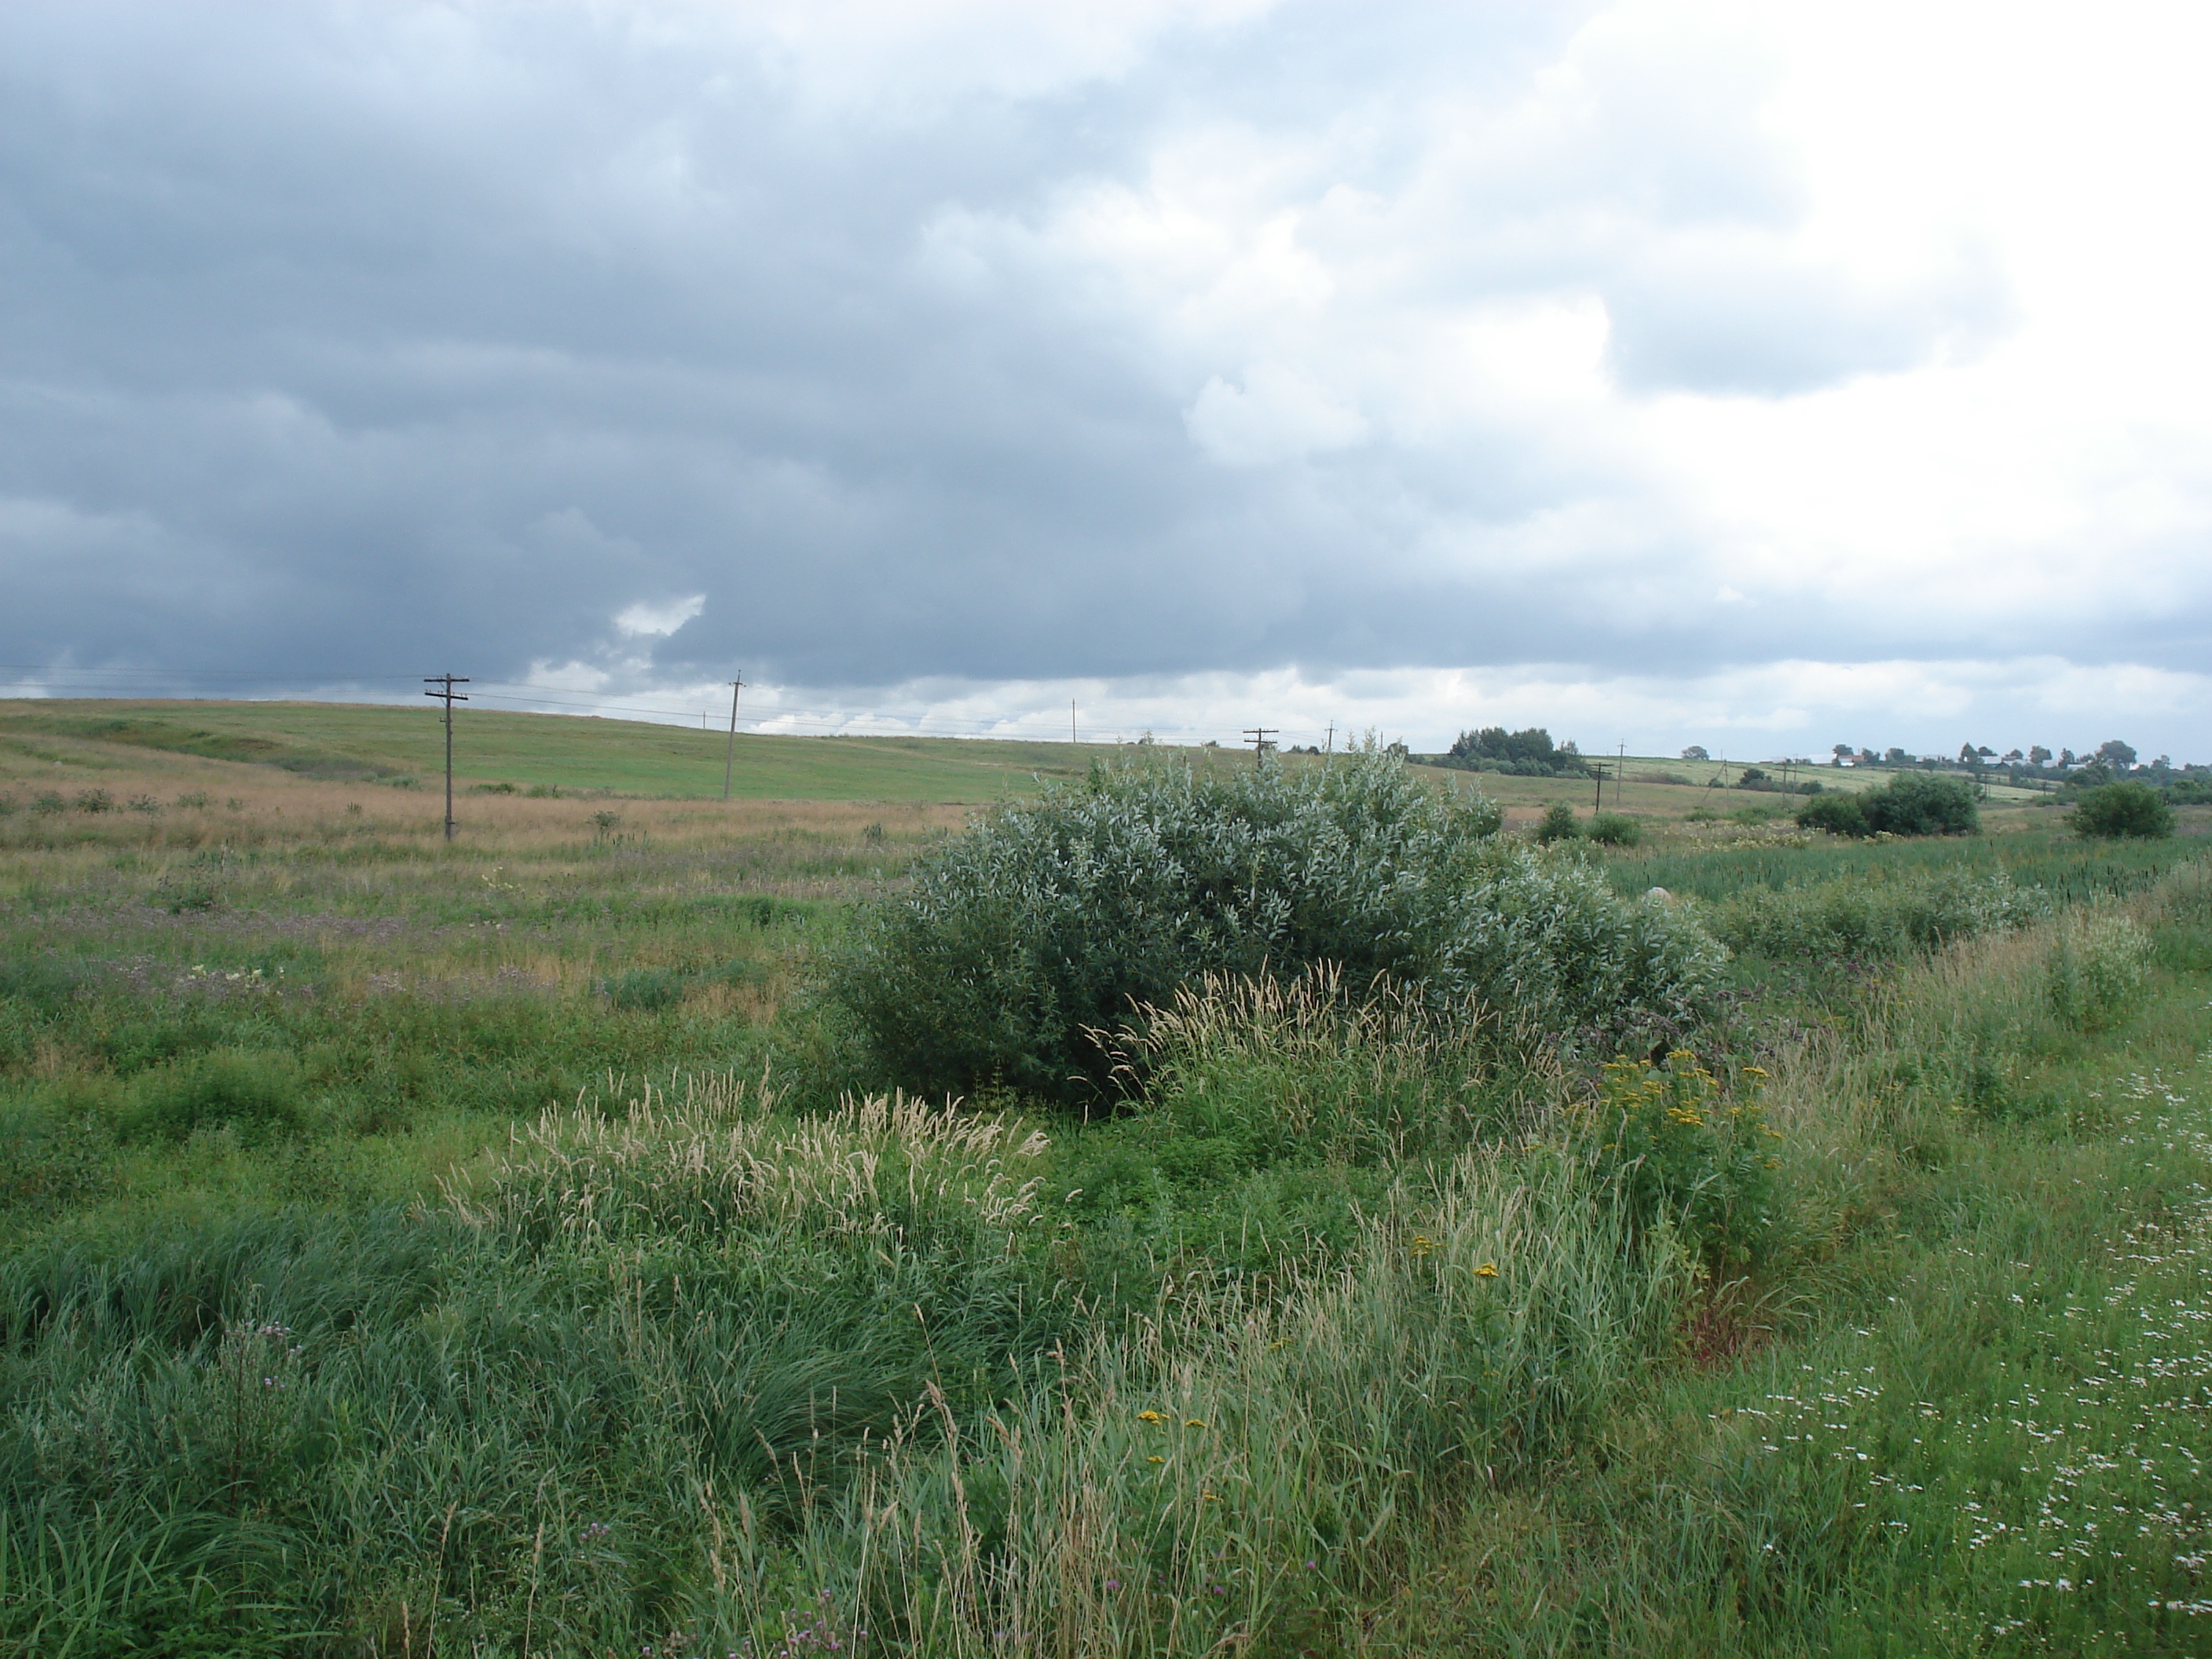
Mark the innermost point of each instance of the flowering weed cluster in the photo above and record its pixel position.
(1680, 1149)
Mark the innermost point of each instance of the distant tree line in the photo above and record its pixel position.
(1531, 753)
(2111, 762)
(1525, 753)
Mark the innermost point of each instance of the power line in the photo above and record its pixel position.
(518, 692)
(793, 721)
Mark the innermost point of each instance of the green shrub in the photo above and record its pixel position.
(1615, 829)
(1055, 919)
(2099, 971)
(1686, 1159)
(2114, 811)
(1559, 824)
(1839, 814)
(644, 989)
(258, 1093)
(1921, 803)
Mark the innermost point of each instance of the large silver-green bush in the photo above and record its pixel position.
(1059, 916)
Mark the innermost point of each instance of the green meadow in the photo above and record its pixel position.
(511, 1247)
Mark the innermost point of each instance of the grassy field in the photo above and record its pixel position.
(387, 745)
(367, 742)
(498, 1248)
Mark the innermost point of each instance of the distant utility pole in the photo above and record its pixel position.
(445, 682)
(730, 752)
(1332, 739)
(1257, 736)
(1071, 722)
(1619, 775)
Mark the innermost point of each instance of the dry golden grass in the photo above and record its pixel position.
(184, 805)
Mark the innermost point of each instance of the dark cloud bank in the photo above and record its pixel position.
(350, 339)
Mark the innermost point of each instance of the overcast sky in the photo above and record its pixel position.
(1760, 376)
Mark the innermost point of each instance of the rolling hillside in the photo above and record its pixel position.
(81, 740)
(380, 742)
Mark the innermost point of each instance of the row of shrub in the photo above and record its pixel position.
(1929, 804)
(49, 803)
(1607, 829)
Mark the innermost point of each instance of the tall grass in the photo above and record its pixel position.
(1302, 1069)
(722, 1357)
(1214, 1477)
(595, 1327)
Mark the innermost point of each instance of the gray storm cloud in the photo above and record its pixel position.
(401, 335)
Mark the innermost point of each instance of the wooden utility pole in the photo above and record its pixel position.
(1619, 775)
(730, 751)
(1257, 736)
(1331, 749)
(445, 682)
(1071, 722)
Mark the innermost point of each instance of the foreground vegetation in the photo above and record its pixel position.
(501, 1250)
